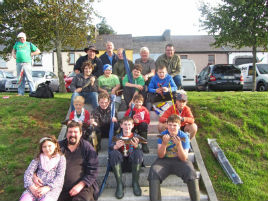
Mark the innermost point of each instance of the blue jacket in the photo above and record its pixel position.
(155, 81)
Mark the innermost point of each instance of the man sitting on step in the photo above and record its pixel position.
(173, 147)
(126, 156)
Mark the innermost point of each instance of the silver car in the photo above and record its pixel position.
(38, 77)
(4, 76)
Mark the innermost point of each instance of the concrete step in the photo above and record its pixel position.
(148, 158)
(177, 193)
(171, 180)
(153, 115)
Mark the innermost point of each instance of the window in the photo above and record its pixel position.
(211, 59)
(37, 60)
(184, 56)
(71, 58)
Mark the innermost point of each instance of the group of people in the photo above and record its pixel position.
(68, 170)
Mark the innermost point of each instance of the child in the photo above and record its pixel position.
(141, 117)
(50, 167)
(126, 157)
(184, 112)
(80, 114)
(159, 87)
(101, 118)
(109, 83)
(172, 158)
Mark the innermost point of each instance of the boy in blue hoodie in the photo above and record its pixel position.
(159, 88)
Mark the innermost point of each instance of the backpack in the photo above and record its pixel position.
(43, 91)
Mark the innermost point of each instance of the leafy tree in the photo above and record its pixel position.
(104, 28)
(51, 24)
(237, 23)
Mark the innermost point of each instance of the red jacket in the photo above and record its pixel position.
(185, 113)
(142, 114)
(87, 116)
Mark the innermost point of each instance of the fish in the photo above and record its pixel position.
(127, 139)
(161, 136)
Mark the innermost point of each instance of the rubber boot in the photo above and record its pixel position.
(145, 148)
(119, 193)
(99, 141)
(193, 189)
(135, 179)
(154, 189)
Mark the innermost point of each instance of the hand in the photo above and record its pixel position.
(93, 122)
(159, 90)
(176, 140)
(119, 144)
(92, 80)
(34, 190)
(113, 91)
(78, 90)
(42, 191)
(164, 89)
(77, 188)
(114, 119)
(37, 181)
(136, 120)
(139, 87)
(165, 139)
(135, 142)
(145, 77)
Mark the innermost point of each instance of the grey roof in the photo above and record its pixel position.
(119, 41)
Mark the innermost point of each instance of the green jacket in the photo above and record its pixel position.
(173, 65)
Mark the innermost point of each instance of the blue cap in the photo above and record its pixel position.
(107, 67)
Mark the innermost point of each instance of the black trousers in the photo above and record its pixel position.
(128, 93)
(140, 128)
(86, 194)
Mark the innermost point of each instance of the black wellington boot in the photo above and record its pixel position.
(193, 189)
(144, 147)
(154, 188)
(135, 179)
(119, 193)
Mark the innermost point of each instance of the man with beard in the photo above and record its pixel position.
(81, 167)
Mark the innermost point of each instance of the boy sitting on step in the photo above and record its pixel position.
(141, 118)
(173, 147)
(126, 156)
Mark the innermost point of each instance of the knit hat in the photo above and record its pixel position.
(107, 67)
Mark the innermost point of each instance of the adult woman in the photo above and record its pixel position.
(85, 84)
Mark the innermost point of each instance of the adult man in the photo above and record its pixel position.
(91, 56)
(148, 64)
(172, 158)
(184, 112)
(119, 67)
(109, 57)
(172, 62)
(81, 167)
(23, 51)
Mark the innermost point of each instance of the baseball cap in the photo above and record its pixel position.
(181, 97)
(21, 35)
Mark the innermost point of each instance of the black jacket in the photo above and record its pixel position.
(105, 60)
(80, 81)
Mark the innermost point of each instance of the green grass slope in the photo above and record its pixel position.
(238, 120)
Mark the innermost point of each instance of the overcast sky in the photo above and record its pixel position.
(152, 17)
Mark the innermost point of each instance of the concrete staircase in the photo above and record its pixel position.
(172, 188)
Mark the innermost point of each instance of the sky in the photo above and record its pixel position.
(152, 17)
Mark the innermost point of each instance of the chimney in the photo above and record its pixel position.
(166, 35)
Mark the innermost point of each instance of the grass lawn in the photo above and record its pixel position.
(238, 120)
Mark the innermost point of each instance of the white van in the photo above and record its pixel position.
(188, 74)
(261, 76)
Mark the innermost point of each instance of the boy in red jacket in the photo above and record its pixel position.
(184, 112)
(80, 114)
(141, 118)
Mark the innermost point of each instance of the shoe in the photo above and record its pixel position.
(19, 95)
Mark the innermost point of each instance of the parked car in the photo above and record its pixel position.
(188, 74)
(4, 76)
(68, 80)
(38, 78)
(220, 77)
(261, 76)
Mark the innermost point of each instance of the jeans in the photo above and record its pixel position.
(27, 74)
(177, 80)
(90, 97)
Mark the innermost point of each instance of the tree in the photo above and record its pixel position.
(237, 23)
(51, 24)
(104, 28)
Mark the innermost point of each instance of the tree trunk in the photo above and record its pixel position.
(254, 68)
(62, 88)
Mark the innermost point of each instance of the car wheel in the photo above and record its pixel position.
(261, 87)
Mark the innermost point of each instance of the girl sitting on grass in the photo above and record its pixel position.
(49, 166)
